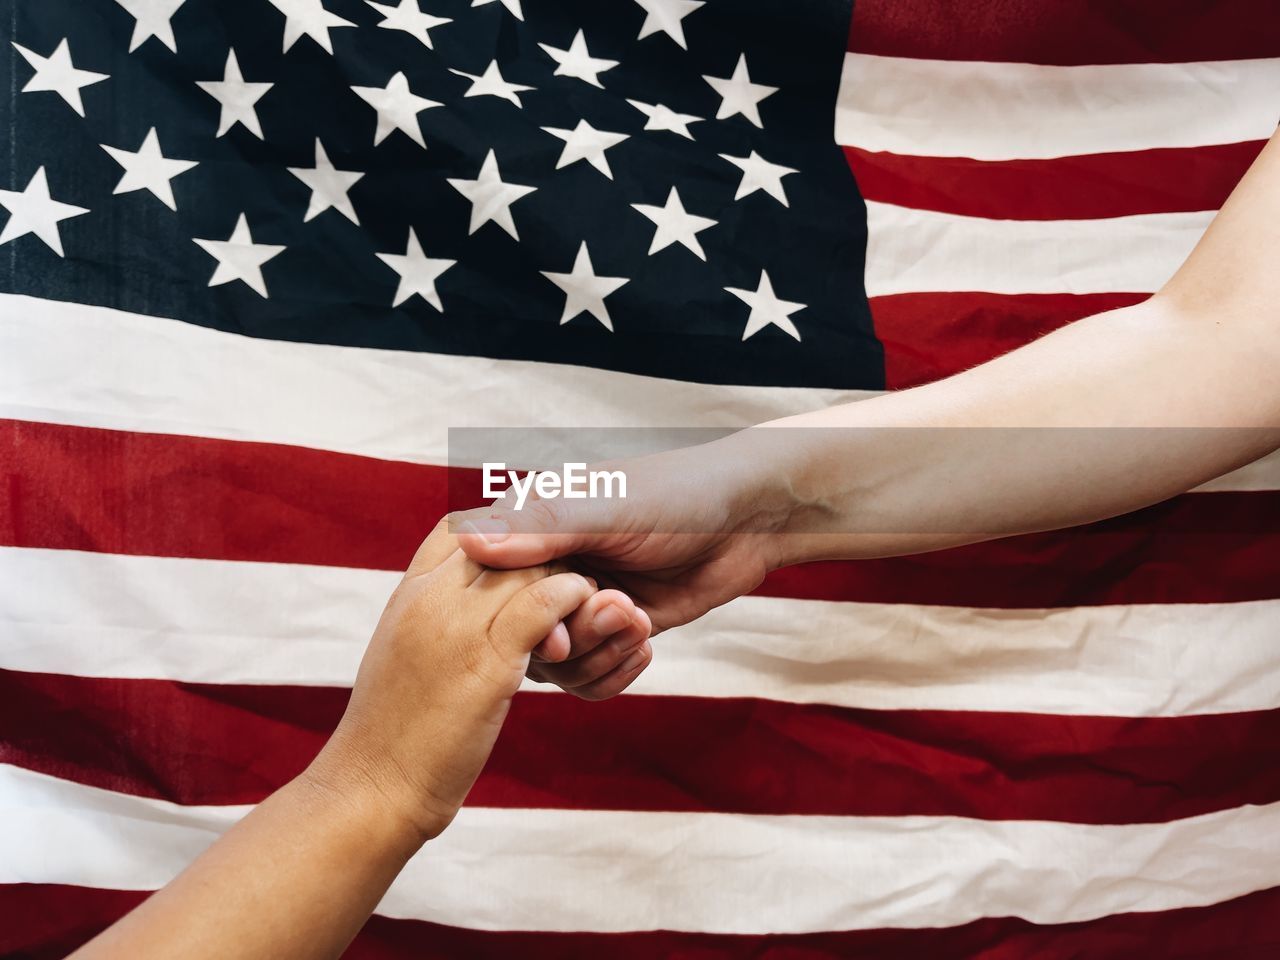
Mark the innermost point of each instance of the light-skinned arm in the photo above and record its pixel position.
(1104, 416)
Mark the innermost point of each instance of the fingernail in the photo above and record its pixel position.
(609, 620)
(490, 529)
(633, 662)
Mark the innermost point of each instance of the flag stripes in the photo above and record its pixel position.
(226, 744)
(1025, 111)
(223, 500)
(95, 366)
(922, 251)
(503, 869)
(1025, 165)
(1088, 186)
(49, 920)
(1067, 32)
(204, 621)
(928, 336)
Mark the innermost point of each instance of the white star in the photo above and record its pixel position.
(675, 225)
(490, 197)
(239, 258)
(667, 16)
(491, 84)
(409, 18)
(418, 272)
(237, 98)
(33, 211)
(308, 18)
(512, 5)
(578, 62)
(148, 169)
(664, 118)
(585, 142)
(738, 94)
(329, 186)
(766, 308)
(397, 107)
(152, 18)
(583, 290)
(58, 74)
(759, 174)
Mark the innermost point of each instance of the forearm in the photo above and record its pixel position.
(1107, 415)
(296, 878)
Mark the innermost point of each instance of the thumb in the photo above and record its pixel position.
(503, 537)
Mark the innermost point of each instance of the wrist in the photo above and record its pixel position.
(382, 801)
(812, 487)
(769, 494)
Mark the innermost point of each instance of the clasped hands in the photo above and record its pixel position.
(666, 556)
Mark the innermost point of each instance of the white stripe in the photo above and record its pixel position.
(1008, 111)
(222, 622)
(922, 251)
(520, 869)
(93, 366)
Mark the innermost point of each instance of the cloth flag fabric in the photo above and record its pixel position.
(257, 258)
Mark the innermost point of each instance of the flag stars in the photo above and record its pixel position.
(578, 62)
(329, 186)
(236, 97)
(57, 74)
(738, 95)
(585, 142)
(759, 174)
(147, 168)
(152, 19)
(584, 292)
(397, 107)
(308, 18)
(491, 84)
(491, 197)
(410, 18)
(32, 210)
(675, 225)
(239, 258)
(767, 309)
(418, 273)
(513, 6)
(667, 16)
(658, 117)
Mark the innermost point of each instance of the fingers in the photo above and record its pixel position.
(601, 617)
(619, 678)
(556, 645)
(518, 538)
(537, 608)
(607, 669)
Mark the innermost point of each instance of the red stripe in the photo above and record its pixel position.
(928, 336)
(1092, 566)
(81, 488)
(114, 491)
(48, 921)
(1066, 188)
(226, 744)
(1067, 32)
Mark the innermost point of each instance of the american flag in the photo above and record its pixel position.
(259, 256)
